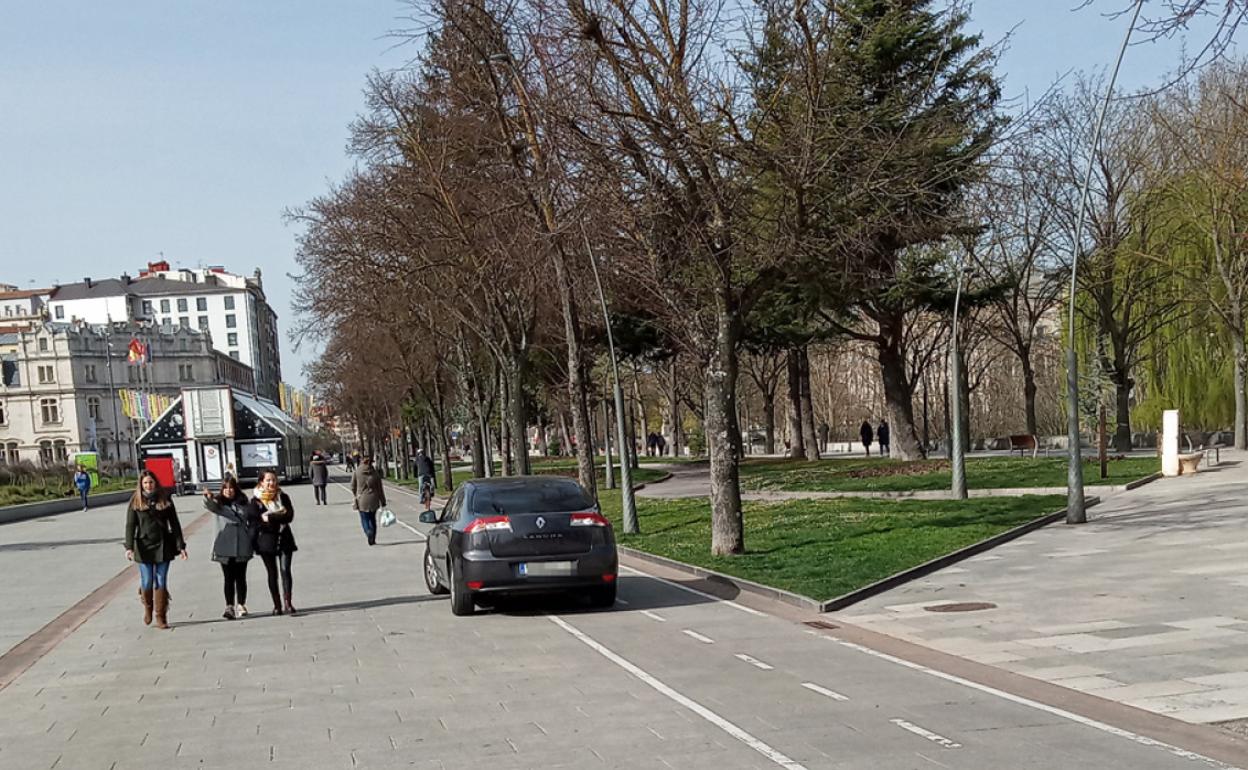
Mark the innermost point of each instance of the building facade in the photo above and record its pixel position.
(231, 308)
(64, 386)
(22, 308)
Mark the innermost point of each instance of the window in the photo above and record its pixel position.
(234, 354)
(93, 407)
(147, 307)
(186, 373)
(203, 323)
(184, 322)
(229, 303)
(60, 312)
(59, 451)
(201, 304)
(231, 339)
(8, 310)
(47, 374)
(164, 306)
(4, 420)
(231, 322)
(10, 453)
(43, 344)
(45, 452)
(182, 305)
(90, 372)
(184, 344)
(50, 410)
(165, 321)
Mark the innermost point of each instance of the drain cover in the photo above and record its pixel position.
(961, 607)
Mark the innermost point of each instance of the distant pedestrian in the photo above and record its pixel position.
(881, 435)
(275, 540)
(661, 443)
(866, 434)
(349, 459)
(823, 436)
(233, 547)
(425, 472)
(652, 444)
(369, 495)
(320, 477)
(153, 539)
(82, 481)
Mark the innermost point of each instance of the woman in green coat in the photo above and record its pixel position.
(153, 538)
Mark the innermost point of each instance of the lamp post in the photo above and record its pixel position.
(956, 455)
(1076, 506)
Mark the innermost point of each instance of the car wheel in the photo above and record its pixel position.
(461, 597)
(431, 575)
(602, 596)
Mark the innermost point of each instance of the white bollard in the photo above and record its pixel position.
(1170, 442)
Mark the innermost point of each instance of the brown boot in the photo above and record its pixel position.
(162, 608)
(146, 598)
(290, 608)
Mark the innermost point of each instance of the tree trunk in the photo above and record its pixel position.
(727, 525)
(769, 423)
(903, 438)
(518, 427)
(673, 398)
(796, 448)
(1122, 398)
(964, 401)
(810, 438)
(1029, 392)
(1241, 409)
(578, 398)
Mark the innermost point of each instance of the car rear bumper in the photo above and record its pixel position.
(501, 575)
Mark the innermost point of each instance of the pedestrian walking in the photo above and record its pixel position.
(882, 435)
(425, 472)
(233, 547)
(153, 539)
(320, 477)
(82, 481)
(349, 459)
(272, 513)
(369, 495)
(660, 443)
(866, 434)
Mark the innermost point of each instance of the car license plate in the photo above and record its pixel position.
(545, 568)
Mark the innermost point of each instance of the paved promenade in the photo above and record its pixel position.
(1145, 605)
(376, 673)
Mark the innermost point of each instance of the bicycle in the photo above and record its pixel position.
(426, 491)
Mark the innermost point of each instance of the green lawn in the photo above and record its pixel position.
(16, 494)
(824, 548)
(881, 475)
(560, 467)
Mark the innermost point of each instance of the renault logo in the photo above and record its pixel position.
(541, 522)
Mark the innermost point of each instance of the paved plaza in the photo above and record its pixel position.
(1144, 605)
(377, 673)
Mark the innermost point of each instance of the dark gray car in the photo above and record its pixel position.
(520, 534)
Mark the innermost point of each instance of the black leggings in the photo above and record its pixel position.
(235, 573)
(272, 562)
(318, 490)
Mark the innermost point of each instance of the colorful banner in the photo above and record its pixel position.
(144, 407)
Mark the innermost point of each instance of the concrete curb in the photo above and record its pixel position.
(940, 562)
(1141, 482)
(13, 513)
(644, 484)
(740, 585)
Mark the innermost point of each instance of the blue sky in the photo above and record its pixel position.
(131, 129)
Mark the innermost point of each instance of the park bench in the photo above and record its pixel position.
(1024, 442)
(1211, 453)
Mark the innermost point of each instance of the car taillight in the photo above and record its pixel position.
(589, 519)
(488, 524)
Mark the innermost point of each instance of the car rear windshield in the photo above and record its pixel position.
(530, 497)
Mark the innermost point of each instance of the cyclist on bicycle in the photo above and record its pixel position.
(424, 470)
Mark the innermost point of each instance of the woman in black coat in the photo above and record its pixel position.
(272, 511)
(233, 547)
(153, 538)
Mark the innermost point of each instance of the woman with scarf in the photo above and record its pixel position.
(153, 538)
(233, 547)
(275, 541)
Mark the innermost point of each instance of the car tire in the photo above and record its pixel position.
(461, 598)
(431, 575)
(602, 597)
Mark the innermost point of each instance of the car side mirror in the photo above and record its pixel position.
(428, 517)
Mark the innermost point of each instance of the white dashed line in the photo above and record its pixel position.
(654, 616)
(1077, 718)
(697, 708)
(755, 662)
(940, 740)
(696, 635)
(824, 691)
(712, 597)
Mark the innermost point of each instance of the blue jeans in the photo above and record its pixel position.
(368, 520)
(150, 574)
(83, 493)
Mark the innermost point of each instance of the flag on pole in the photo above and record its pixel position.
(138, 353)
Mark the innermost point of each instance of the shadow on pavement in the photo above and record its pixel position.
(638, 593)
(56, 544)
(321, 609)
